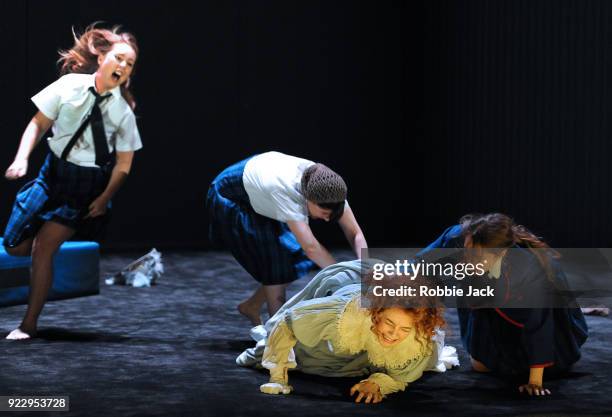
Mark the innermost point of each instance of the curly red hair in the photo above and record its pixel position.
(426, 320)
(426, 311)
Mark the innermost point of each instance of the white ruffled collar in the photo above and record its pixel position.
(355, 335)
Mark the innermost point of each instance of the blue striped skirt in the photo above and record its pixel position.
(265, 247)
(61, 193)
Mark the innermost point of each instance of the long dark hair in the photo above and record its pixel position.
(499, 231)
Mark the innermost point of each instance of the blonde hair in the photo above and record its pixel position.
(82, 58)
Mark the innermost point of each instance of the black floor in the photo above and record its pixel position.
(169, 351)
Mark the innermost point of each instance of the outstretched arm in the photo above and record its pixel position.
(352, 231)
(313, 249)
(30, 138)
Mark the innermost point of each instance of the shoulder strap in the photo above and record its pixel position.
(75, 137)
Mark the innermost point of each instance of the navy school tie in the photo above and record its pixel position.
(97, 130)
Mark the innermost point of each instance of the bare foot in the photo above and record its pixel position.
(19, 334)
(250, 312)
(596, 311)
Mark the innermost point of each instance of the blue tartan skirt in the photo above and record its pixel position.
(265, 247)
(61, 193)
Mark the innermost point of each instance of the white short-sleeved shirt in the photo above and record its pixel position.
(273, 183)
(68, 102)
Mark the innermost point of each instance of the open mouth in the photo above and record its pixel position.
(116, 76)
(390, 341)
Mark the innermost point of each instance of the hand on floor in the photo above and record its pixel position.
(368, 391)
(533, 389)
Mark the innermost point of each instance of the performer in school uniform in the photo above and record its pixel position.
(516, 341)
(259, 210)
(90, 109)
(324, 330)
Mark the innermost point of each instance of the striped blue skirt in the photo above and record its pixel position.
(265, 247)
(61, 193)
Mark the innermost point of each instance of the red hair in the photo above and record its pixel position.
(427, 312)
(426, 319)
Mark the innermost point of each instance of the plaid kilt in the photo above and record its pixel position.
(265, 247)
(62, 193)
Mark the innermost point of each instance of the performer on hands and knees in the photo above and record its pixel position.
(326, 330)
(528, 333)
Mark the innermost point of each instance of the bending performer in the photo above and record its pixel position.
(259, 210)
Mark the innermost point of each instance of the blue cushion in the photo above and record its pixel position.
(76, 272)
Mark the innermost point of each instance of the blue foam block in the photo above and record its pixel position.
(76, 273)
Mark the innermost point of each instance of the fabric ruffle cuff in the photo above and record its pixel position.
(387, 384)
(279, 353)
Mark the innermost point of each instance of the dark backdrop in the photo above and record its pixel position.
(220, 80)
(517, 109)
(429, 111)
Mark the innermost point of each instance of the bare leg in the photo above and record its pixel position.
(251, 307)
(478, 366)
(23, 249)
(275, 297)
(46, 243)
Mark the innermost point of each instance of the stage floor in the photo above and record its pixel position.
(169, 350)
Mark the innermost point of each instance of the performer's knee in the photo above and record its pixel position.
(478, 366)
(23, 249)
